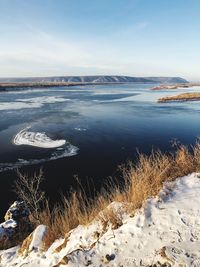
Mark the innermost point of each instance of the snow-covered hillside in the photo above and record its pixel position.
(98, 79)
(165, 232)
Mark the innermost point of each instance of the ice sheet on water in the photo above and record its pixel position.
(80, 129)
(61, 149)
(34, 102)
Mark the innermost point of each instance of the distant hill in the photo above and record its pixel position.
(168, 79)
(98, 79)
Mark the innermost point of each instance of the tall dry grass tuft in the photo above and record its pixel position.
(141, 181)
(70, 212)
(146, 178)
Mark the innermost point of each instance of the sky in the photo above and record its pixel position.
(99, 37)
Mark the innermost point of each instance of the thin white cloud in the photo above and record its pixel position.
(142, 25)
(41, 54)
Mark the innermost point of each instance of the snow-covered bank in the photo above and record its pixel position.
(166, 230)
(25, 137)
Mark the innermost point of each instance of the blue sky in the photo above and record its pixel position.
(88, 37)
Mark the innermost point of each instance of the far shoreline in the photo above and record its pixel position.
(174, 86)
(11, 85)
(180, 98)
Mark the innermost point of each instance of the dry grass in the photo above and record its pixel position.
(71, 212)
(141, 181)
(181, 97)
(174, 86)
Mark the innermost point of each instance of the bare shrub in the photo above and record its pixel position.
(28, 190)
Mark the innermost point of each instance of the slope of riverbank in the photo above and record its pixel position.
(152, 219)
(164, 232)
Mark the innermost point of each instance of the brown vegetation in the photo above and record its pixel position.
(141, 181)
(174, 86)
(28, 189)
(10, 85)
(181, 97)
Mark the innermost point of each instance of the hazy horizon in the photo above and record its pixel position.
(41, 38)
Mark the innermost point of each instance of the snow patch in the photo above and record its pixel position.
(37, 238)
(7, 226)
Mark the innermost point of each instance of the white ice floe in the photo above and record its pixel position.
(18, 105)
(61, 149)
(43, 99)
(25, 137)
(34, 102)
(80, 129)
(166, 230)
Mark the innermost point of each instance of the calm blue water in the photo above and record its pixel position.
(107, 123)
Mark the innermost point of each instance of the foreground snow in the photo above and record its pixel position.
(165, 230)
(25, 137)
